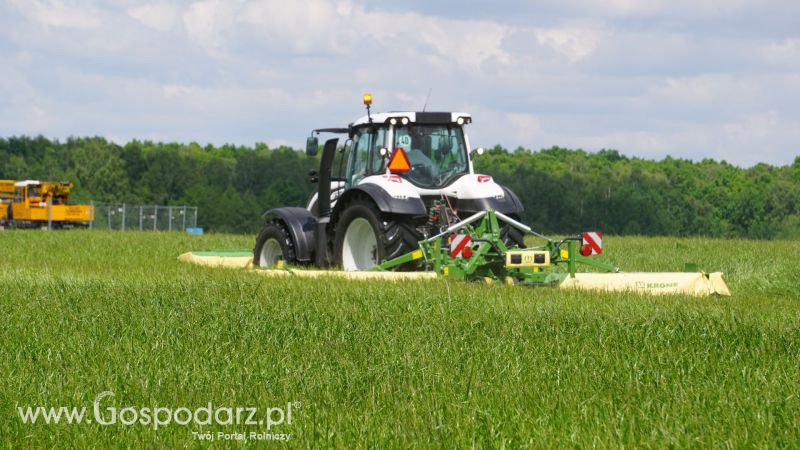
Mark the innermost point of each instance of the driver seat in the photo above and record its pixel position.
(445, 146)
(427, 145)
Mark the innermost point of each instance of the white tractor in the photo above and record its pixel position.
(400, 177)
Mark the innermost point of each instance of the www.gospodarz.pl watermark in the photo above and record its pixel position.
(273, 419)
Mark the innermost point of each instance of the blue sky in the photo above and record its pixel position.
(692, 79)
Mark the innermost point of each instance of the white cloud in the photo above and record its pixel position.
(784, 53)
(708, 88)
(524, 126)
(468, 44)
(207, 22)
(159, 16)
(628, 7)
(574, 42)
(754, 137)
(318, 26)
(755, 126)
(59, 13)
(649, 8)
(302, 26)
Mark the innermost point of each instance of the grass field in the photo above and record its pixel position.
(383, 365)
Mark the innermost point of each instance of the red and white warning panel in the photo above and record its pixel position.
(592, 243)
(459, 246)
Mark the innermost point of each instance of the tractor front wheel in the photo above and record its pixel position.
(365, 237)
(273, 244)
(511, 236)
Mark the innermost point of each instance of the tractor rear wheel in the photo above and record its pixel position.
(365, 237)
(273, 244)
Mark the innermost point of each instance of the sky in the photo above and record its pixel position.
(690, 79)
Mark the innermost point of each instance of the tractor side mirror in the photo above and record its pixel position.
(383, 153)
(477, 151)
(312, 146)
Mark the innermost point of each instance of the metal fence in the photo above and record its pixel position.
(116, 216)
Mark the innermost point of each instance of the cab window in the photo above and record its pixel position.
(365, 156)
(437, 153)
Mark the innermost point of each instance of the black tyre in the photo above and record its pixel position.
(365, 237)
(274, 243)
(511, 236)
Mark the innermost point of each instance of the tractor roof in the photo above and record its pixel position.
(27, 183)
(432, 118)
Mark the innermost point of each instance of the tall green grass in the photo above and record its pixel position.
(411, 364)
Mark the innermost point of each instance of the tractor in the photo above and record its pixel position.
(398, 179)
(400, 200)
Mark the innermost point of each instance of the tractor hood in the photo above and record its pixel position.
(394, 185)
(471, 192)
(474, 186)
(469, 186)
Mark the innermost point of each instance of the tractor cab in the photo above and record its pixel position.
(28, 192)
(36, 194)
(428, 149)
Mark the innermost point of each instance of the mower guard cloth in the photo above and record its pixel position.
(222, 258)
(243, 260)
(697, 284)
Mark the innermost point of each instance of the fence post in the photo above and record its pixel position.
(169, 211)
(108, 207)
(184, 217)
(155, 217)
(50, 212)
(123, 217)
(140, 217)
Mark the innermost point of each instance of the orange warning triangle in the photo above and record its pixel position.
(399, 162)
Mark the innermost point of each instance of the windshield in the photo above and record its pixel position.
(436, 152)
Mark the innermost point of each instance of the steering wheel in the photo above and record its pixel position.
(421, 171)
(421, 168)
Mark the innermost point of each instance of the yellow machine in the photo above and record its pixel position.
(6, 197)
(39, 203)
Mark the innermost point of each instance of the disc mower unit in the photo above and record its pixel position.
(555, 263)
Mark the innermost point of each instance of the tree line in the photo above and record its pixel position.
(562, 190)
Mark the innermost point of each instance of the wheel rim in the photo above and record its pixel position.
(360, 246)
(271, 252)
